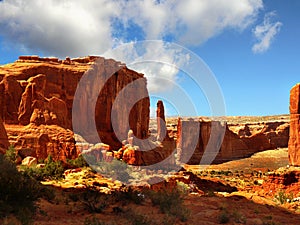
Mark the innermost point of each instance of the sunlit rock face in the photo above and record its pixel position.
(3, 138)
(294, 141)
(39, 92)
(225, 142)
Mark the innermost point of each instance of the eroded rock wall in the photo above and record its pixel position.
(38, 92)
(294, 141)
(239, 141)
(3, 138)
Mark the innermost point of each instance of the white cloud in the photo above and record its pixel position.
(158, 60)
(265, 33)
(192, 22)
(77, 28)
(58, 28)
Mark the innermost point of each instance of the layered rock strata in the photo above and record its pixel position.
(39, 92)
(227, 142)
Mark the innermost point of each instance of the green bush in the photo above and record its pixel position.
(282, 197)
(51, 170)
(116, 169)
(92, 200)
(171, 202)
(18, 193)
(238, 217)
(166, 199)
(128, 194)
(137, 219)
(223, 217)
(11, 154)
(78, 162)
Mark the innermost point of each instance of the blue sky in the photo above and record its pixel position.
(251, 46)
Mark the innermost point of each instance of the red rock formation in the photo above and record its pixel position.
(10, 96)
(3, 138)
(41, 141)
(294, 141)
(239, 140)
(161, 121)
(287, 181)
(147, 152)
(40, 91)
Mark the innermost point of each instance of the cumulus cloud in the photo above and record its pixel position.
(191, 22)
(265, 33)
(56, 27)
(160, 61)
(77, 28)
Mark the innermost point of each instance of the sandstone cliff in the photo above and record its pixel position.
(39, 92)
(3, 138)
(294, 142)
(239, 141)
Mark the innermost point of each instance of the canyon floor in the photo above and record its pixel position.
(236, 192)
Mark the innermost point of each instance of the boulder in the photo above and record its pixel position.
(29, 161)
(132, 156)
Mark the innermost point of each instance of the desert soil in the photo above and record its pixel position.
(246, 205)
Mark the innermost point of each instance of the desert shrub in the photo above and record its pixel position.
(239, 218)
(128, 194)
(165, 199)
(18, 192)
(137, 219)
(212, 172)
(183, 188)
(11, 154)
(223, 217)
(170, 201)
(90, 159)
(116, 169)
(282, 197)
(92, 200)
(78, 162)
(51, 170)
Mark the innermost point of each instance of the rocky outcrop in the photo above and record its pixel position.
(29, 161)
(239, 140)
(41, 141)
(39, 92)
(161, 121)
(3, 138)
(156, 152)
(36, 109)
(294, 141)
(10, 97)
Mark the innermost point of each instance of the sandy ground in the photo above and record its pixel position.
(242, 206)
